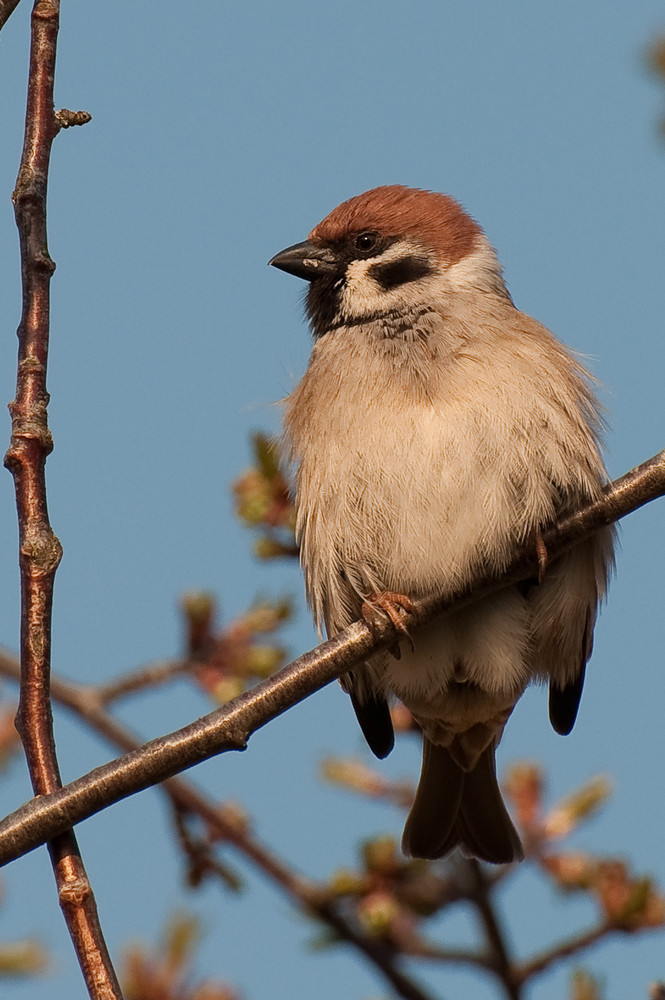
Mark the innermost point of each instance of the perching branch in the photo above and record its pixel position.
(229, 727)
(39, 549)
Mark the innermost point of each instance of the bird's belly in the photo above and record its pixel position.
(477, 654)
(423, 506)
(416, 512)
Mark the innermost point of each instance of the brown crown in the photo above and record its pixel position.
(434, 220)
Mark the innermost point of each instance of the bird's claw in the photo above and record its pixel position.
(392, 605)
(541, 554)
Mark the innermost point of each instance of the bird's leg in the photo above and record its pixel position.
(391, 604)
(541, 554)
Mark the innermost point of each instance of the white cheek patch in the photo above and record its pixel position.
(361, 292)
(364, 295)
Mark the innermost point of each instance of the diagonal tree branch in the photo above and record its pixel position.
(229, 727)
(88, 704)
(39, 549)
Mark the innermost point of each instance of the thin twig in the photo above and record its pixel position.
(564, 949)
(447, 956)
(224, 825)
(201, 854)
(149, 676)
(500, 960)
(39, 549)
(229, 727)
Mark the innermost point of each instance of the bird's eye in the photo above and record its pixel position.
(365, 242)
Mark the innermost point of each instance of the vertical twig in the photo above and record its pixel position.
(39, 549)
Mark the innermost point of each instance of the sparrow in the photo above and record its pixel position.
(436, 432)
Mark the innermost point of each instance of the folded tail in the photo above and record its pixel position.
(457, 808)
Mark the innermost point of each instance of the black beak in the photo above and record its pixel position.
(306, 260)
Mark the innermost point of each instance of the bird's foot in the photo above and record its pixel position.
(392, 605)
(541, 554)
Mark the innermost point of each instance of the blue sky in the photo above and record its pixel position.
(221, 133)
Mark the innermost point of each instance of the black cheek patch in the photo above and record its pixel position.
(394, 273)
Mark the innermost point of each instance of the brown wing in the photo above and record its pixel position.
(373, 715)
(564, 703)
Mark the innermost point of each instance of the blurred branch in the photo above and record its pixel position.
(223, 824)
(40, 551)
(579, 942)
(224, 662)
(392, 894)
(200, 853)
(229, 727)
(150, 676)
(166, 973)
(656, 62)
(360, 778)
(499, 959)
(447, 956)
(461, 880)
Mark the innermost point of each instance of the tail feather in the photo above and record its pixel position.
(484, 827)
(430, 828)
(454, 808)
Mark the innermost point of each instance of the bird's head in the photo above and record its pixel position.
(389, 251)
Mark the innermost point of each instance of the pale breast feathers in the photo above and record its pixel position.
(478, 450)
